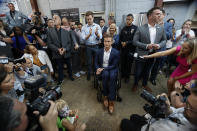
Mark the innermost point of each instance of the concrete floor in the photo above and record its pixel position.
(81, 95)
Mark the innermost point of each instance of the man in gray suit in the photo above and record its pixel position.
(59, 42)
(148, 39)
(13, 17)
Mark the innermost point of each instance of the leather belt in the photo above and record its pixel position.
(92, 46)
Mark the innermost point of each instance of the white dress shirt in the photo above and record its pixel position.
(152, 32)
(106, 57)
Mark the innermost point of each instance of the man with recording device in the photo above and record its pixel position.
(13, 71)
(163, 116)
(13, 116)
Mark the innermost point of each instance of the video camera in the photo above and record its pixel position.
(158, 107)
(37, 101)
(30, 26)
(41, 103)
(6, 60)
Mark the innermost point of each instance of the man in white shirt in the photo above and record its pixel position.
(91, 34)
(148, 39)
(106, 64)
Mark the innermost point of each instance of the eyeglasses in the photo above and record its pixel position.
(189, 107)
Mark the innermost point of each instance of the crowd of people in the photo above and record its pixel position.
(44, 46)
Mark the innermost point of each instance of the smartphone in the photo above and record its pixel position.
(43, 67)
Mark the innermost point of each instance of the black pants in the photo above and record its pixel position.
(60, 64)
(126, 63)
(155, 68)
(142, 69)
(134, 124)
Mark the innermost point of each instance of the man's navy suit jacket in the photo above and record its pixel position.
(113, 60)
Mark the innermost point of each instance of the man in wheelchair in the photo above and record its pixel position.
(106, 64)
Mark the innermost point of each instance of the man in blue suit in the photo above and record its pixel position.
(106, 64)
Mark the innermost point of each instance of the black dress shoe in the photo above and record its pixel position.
(153, 82)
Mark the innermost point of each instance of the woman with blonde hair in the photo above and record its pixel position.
(113, 33)
(187, 59)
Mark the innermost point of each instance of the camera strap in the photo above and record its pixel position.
(176, 120)
(19, 92)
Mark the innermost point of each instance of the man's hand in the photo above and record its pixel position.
(61, 51)
(156, 46)
(90, 32)
(123, 44)
(33, 31)
(99, 70)
(167, 100)
(169, 111)
(49, 121)
(76, 46)
(96, 32)
(150, 46)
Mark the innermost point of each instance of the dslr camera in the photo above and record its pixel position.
(158, 107)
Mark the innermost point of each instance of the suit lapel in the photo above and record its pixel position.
(102, 54)
(157, 33)
(147, 32)
(55, 34)
(111, 55)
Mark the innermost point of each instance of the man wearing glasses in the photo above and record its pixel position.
(180, 119)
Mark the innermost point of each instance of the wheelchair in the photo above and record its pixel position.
(98, 85)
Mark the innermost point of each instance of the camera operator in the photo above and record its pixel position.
(14, 118)
(33, 70)
(18, 75)
(179, 96)
(181, 119)
(38, 30)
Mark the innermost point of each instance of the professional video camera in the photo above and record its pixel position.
(158, 107)
(41, 104)
(6, 60)
(37, 101)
